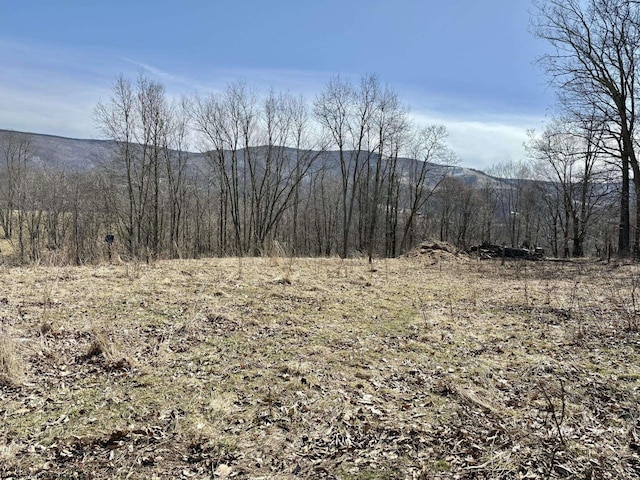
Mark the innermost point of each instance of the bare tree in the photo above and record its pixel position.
(458, 215)
(256, 172)
(226, 123)
(512, 192)
(18, 214)
(593, 65)
(569, 157)
(17, 152)
(276, 171)
(152, 137)
(433, 163)
(150, 161)
(390, 126)
(305, 145)
(117, 120)
(345, 112)
(176, 159)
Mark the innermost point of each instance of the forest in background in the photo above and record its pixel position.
(348, 175)
(345, 174)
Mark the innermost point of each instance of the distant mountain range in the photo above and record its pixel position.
(78, 155)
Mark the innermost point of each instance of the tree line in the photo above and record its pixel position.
(241, 172)
(592, 60)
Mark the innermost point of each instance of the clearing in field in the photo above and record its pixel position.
(421, 367)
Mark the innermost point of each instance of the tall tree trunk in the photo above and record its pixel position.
(624, 232)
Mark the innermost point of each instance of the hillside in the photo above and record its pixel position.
(78, 155)
(67, 154)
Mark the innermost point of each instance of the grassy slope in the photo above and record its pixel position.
(320, 368)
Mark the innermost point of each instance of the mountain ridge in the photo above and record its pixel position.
(84, 155)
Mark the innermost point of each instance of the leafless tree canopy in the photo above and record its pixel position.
(592, 65)
(244, 172)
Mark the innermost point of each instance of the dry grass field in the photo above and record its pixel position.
(424, 367)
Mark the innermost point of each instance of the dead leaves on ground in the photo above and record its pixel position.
(325, 375)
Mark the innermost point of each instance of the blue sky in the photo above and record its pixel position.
(467, 64)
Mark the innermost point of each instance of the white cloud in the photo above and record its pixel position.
(58, 105)
(298, 82)
(41, 113)
(50, 90)
(487, 139)
(54, 90)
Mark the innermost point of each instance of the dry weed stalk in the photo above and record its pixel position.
(46, 325)
(421, 308)
(277, 253)
(103, 343)
(633, 321)
(554, 407)
(627, 311)
(133, 269)
(199, 311)
(11, 368)
(556, 412)
(8, 450)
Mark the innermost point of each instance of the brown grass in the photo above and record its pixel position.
(322, 368)
(105, 347)
(11, 367)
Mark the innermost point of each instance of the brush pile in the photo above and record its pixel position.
(500, 251)
(438, 251)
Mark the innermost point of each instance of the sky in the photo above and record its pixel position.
(467, 64)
